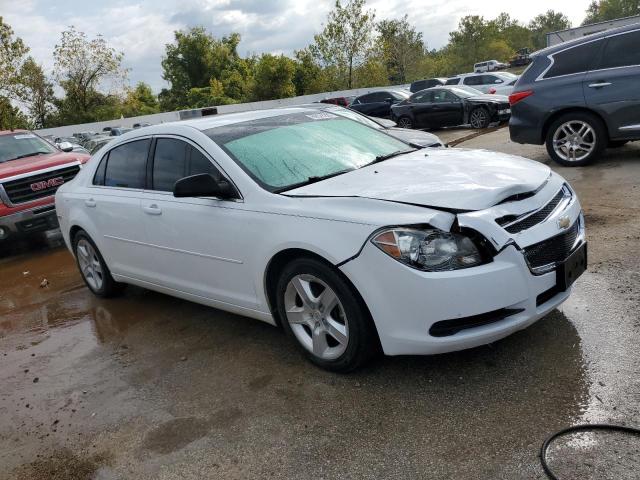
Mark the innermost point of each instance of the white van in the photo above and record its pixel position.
(488, 66)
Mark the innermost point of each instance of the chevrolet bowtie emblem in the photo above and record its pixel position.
(564, 222)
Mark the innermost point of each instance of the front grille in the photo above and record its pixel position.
(533, 219)
(552, 250)
(446, 328)
(39, 185)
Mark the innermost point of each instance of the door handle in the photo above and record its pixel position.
(599, 84)
(90, 202)
(152, 209)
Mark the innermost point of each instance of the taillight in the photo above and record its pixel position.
(517, 96)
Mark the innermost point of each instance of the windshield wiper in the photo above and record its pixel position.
(30, 155)
(310, 180)
(382, 158)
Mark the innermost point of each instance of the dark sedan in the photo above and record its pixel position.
(449, 106)
(378, 104)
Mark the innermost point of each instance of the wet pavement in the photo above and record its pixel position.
(148, 386)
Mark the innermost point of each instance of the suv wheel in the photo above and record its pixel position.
(320, 310)
(576, 139)
(405, 122)
(93, 268)
(479, 118)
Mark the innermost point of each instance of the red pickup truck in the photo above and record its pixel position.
(31, 170)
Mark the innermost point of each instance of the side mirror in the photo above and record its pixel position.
(65, 147)
(203, 185)
(498, 81)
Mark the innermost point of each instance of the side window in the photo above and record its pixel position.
(476, 80)
(622, 51)
(490, 80)
(452, 81)
(201, 164)
(439, 96)
(98, 178)
(574, 60)
(169, 163)
(422, 97)
(366, 98)
(127, 165)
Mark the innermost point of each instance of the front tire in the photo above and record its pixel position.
(405, 122)
(94, 270)
(479, 118)
(576, 139)
(327, 319)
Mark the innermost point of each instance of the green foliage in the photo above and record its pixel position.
(139, 101)
(274, 77)
(400, 47)
(35, 92)
(603, 10)
(346, 41)
(309, 76)
(12, 53)
(550, 21)
(11, 117)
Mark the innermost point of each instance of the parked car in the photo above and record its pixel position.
(117, 131)
(489, 66)
(96, 142)
(521, 58)
(84, 136)
(580, 96)
(341, 234)
(482, 81)
(342, 101)
(426, 83)
(448, 106)
(141, 124)
(31, 170)
(504, 89)
(378, 104)
(413, 138)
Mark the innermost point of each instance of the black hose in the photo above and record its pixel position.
(579, 428)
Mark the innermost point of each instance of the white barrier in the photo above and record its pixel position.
(156, 118)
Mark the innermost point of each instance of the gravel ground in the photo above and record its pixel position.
(147, 386)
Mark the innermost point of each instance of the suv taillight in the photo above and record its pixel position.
(517, 96)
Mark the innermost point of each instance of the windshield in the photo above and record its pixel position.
(287, 150)
(21, 145)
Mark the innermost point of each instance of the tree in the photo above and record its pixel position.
(309, 76)
(550, 21)
(346, 40)
(11, 117)
(603, 10)
(274, 77)
(35, 92)
(140, 101)
(401, 48)
(82, 67)
(12, 53)
(194, 59)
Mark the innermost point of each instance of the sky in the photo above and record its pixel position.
(141, 28)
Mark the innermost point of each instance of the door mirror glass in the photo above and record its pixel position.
(65, 147)
(203, 185)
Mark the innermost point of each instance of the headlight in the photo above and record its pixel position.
(430, 250)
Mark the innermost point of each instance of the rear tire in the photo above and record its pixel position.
(576, 139)
(93, 268)
(325, 316)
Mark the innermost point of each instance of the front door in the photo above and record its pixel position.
(197, 249)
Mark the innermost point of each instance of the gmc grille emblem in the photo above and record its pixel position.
(43, 185)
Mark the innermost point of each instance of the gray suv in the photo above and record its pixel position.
(580, 97)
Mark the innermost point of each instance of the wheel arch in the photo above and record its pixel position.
(555, 115)
(281, 259)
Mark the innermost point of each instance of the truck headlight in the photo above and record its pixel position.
(430, 250)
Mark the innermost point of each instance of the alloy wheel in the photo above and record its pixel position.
(574, 140)
(479, 118)
(405, 122)
(316, 316)
(90, 265)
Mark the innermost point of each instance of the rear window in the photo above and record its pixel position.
(622, 51)
(574, 60)
(452, 81)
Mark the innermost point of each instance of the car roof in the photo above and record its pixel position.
(586, 39)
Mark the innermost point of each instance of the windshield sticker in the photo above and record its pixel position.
(24, 135)
(321, 116)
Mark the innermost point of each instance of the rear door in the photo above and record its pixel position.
(612, 87)
(448, 108)
(196, 249)
(113, 204)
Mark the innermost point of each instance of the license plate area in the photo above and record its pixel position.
(569, 270)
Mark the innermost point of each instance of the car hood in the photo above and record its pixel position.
(488, 97)
(415, 137)
(450, 179)
(39, 162)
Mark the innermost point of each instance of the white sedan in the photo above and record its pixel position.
(346, 237)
